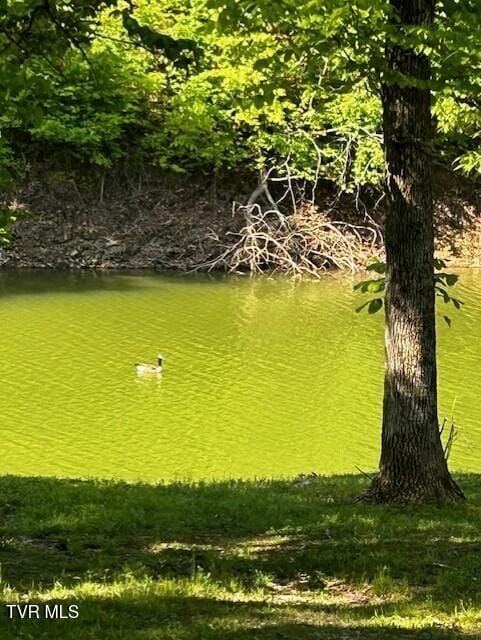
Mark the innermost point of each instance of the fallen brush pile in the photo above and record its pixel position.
(306, 242)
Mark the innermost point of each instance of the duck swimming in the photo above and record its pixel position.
(143, 368)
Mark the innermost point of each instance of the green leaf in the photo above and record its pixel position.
(451, 279)
(457, 303)
(371, 286)
(375, 286)
(443, 294)
(439, 264)
(378, 267)
(447, 320)
(448, 279)
(375, 305)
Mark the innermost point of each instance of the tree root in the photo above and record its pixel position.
(426, 491)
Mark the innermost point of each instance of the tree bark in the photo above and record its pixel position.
(413, 467)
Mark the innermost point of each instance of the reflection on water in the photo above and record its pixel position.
(262, 377)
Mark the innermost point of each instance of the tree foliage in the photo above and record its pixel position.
(202, 84)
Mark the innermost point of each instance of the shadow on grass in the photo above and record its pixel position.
(187, 619)
(274, 536)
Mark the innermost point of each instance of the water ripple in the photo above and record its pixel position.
(262, 378)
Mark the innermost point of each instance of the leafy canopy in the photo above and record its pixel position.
(195, 85)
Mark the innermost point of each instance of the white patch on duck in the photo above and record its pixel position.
(143, 369)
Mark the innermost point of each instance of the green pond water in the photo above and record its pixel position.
(262, 377)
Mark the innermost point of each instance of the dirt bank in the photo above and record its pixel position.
(165, 221)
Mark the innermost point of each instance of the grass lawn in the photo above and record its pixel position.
(238, 561)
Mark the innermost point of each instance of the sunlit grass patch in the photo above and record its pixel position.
(238, 561)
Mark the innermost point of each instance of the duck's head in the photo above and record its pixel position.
(160, 359)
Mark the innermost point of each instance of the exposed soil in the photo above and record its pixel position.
(166, 222)
(174, 222)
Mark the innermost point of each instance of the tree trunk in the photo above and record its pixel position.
(413, 467)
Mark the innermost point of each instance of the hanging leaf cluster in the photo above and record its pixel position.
(443, 281)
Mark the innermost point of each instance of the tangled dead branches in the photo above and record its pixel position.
(306, 242)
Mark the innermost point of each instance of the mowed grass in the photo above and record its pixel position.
(267, 560)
